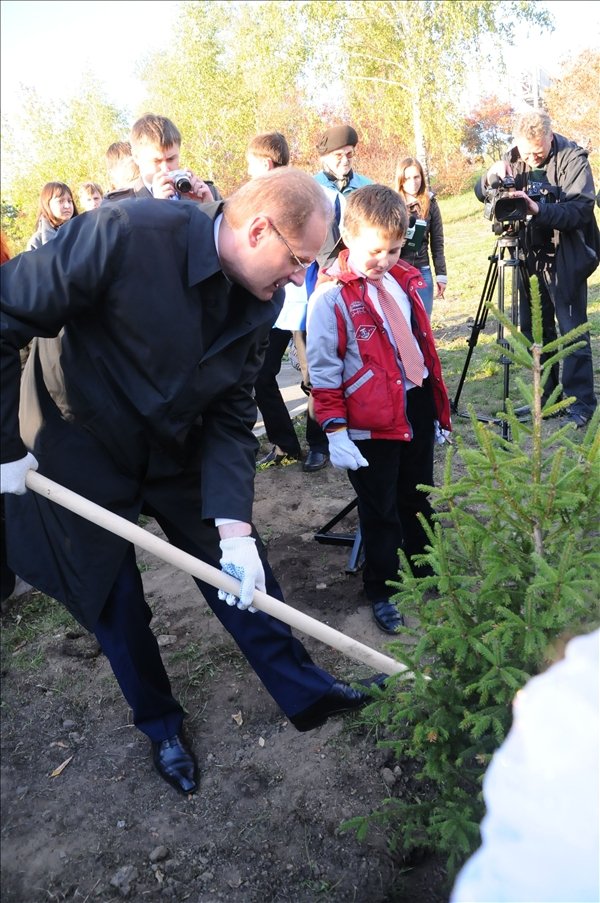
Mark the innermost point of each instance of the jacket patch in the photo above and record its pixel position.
(364, 333)
(356, 307)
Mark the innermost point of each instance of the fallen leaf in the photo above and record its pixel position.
(61, 768)
(238, 718)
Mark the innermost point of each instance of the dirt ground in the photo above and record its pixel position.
(265, 825)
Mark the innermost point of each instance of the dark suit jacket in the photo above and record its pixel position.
(146, 399)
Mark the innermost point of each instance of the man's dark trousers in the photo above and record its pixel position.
(124, 633)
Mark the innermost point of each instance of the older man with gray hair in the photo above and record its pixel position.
(554, 179)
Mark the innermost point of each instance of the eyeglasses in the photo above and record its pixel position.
(301, 264)
(340, 156)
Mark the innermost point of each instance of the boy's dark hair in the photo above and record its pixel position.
(89, 188)
(377, 206)
(156, 130)
(117, 150)
(271, 145)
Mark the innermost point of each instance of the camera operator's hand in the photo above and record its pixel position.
(162, 186)
(200, 191)
(343, 452)
(532, 206)
(501, 169)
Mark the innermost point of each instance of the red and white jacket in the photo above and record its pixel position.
(356, 377)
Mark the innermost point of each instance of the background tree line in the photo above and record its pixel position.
(396, 69)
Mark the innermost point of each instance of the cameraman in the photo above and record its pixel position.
(563, 242)
(155, 148)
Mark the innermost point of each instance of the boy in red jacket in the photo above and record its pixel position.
(377, 386)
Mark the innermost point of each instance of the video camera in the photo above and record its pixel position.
(502, 209)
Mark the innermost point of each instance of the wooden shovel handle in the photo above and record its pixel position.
(197, 568)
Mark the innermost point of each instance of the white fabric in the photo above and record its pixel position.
(540, 834)
(292, 316)
(240, 559)
(12, 474)
(343, 452)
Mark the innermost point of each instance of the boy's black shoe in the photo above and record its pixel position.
(315, 461)
(578, 417)
(387, 617)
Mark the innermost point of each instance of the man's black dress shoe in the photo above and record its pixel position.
(176, 764)
(387, 617)
(315, 461)
(339, 698)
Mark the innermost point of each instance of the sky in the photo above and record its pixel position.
(49, 45)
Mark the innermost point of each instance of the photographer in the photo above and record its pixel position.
(553, 177)
(155, 147)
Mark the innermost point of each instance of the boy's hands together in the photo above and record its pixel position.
(343, 452)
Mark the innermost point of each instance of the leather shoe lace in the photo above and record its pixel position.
(339, 698)
(176, 763)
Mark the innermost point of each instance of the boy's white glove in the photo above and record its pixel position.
(441, 435)
(343, 452)
(12, 475)
(240, 559)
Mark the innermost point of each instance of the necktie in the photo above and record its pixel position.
(410, 353)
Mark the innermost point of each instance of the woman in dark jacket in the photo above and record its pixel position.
(410, 182)
(56, 207)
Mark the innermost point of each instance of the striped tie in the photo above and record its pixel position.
(410, 353)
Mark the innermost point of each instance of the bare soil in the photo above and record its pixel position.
(265, 825)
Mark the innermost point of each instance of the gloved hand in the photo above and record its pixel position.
(441, 435)
(240, 559)
(343, 452)
(12, 475)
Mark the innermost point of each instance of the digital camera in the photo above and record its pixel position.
(181, 180)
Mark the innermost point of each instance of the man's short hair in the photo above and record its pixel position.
(270, 146)
(121, 167)
(532, 125)
(117, 150)
(156, 130)
(377, 207)
(288, 195)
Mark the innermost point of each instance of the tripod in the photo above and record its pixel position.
(508, 273)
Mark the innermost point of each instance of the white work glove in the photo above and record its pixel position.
(441, 435)
(12, 475)
(343, 452)
(240, 559)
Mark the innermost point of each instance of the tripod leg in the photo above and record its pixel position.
(479, 324)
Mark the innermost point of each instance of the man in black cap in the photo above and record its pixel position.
(337, 149)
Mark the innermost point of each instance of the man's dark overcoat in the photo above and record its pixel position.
(144, 400)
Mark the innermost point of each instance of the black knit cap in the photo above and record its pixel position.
(335, 137)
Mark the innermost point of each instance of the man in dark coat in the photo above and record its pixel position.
(144, 404)
(562, 242)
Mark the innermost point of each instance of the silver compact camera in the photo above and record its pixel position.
(181, 180)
